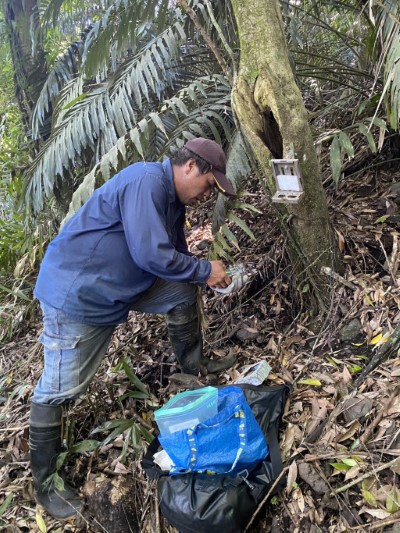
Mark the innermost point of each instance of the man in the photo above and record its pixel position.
(124, 250)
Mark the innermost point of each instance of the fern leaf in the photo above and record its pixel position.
(242, 225)
(230, 236)
(218, 251)
(221, 241)
(247, 207)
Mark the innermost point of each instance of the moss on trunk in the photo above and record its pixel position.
(272, 115)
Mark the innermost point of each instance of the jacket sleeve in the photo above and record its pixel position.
(143, 205)
(181, 244)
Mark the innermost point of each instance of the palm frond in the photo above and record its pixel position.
(120, 30)
(64, 70)
(388, 32)
(102, 45)
(96, 118)
(67, 15)
(218, 18)
(201, 108)
(240, 162)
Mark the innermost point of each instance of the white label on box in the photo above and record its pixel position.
(288, 182)
(256, 374)
(184, 425)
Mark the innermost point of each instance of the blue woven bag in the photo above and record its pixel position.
(229, 442)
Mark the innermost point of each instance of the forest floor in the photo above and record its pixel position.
(340, 440)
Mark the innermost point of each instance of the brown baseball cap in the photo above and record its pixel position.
(212, 152)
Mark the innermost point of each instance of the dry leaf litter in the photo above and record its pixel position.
(340, 442)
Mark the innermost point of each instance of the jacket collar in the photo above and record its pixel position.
(167, 167)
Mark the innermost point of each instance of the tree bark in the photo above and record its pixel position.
(30, 66)
(273, 118)
(114, 505)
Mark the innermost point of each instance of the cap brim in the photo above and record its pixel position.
(223, 184)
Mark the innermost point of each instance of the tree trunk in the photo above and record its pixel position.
(273, 118)
(30, 68)
(114, 505)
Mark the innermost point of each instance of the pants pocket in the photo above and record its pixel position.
(61, 362)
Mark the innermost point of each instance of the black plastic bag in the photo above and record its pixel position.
(221, 503)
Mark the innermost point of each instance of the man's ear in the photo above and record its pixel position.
(189, 165)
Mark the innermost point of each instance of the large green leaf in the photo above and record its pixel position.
(106, 113)
(188, 116)
(64, 71)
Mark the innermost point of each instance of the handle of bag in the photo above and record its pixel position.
(193, 442)
(271, 432)
(274, 449)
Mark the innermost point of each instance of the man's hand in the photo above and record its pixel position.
(218, 277)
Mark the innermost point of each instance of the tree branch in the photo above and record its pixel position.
(366, 475)
(203, 32)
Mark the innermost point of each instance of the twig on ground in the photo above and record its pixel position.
(365, 476)
(388, 349)
(310, 458)
(157, 510)
(382, 412)
(380, 524)
(266, 497)
(331, 418)
(17, 428)
(392, 262)
(393, 440)
(337, 277)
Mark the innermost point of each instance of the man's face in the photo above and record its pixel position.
(191, 186)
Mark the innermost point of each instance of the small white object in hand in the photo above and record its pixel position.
(239, 278)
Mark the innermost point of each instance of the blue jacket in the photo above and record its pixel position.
(129, 233)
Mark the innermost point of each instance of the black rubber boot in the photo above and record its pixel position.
(45, 432)
(187, 342)
(185, 336)
(218, 365)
